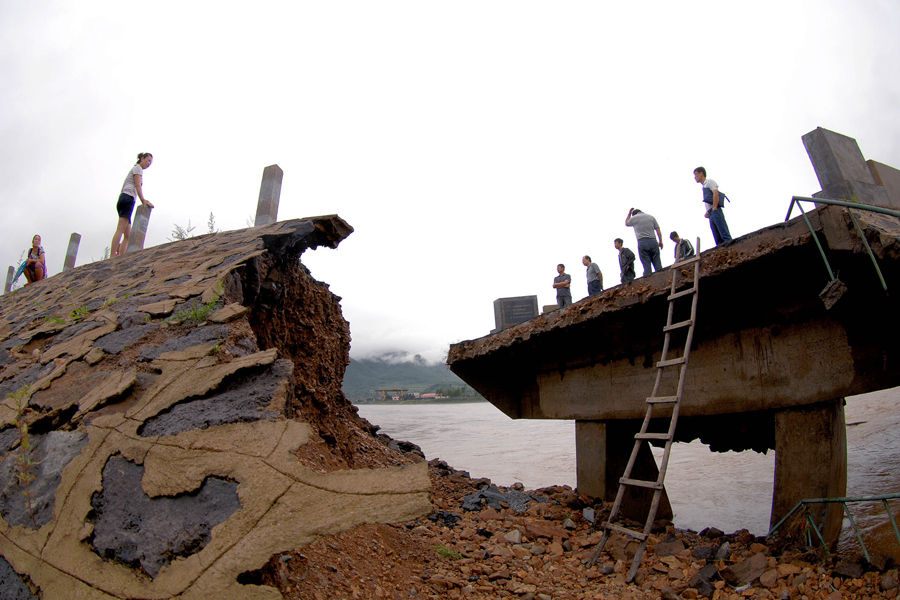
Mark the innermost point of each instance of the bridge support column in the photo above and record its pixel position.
(811, 462)
(602, 449)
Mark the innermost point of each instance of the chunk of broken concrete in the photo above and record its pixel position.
(746, 571)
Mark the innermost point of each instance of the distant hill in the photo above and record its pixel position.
(364, 376)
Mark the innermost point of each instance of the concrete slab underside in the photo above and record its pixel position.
(764, 347)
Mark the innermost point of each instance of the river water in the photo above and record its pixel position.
(727, 490)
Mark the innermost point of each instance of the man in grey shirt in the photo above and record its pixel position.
(594, 276)
(561, 283)
(648, 249)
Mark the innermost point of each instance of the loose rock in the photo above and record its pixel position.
(745, 571)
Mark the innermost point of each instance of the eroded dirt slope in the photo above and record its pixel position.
(173, 418)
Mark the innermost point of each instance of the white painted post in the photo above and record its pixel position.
(9, 275)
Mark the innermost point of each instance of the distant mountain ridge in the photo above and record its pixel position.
(396, 370)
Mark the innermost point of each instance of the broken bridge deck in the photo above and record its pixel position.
(770, 365)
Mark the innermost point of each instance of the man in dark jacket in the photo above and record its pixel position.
(683, 248)
(626, 261)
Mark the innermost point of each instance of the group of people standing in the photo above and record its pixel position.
(649, 243)
(35, 265)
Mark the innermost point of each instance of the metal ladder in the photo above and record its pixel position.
(654, 400)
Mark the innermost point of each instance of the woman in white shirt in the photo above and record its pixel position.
(131, 188)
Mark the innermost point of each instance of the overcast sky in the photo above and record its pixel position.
(472, 145)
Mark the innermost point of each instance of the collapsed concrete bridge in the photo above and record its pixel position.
(770, 364)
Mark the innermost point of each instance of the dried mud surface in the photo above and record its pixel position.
(172, 418)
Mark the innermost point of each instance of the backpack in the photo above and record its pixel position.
(708, 197)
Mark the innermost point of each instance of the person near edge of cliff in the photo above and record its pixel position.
(713, 201)
(562, 284)
(594, 276)
(683, 248)
(648, 250)
(132, 187)
(35, 261)
(626, 261)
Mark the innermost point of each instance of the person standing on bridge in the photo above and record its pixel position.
(713, 200)
(594, 276)
(683, 248)
(648, 250)
(562, 284)
(626, 261)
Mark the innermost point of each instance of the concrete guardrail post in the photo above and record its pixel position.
(269, 195)
(72, 251)
(139, 228)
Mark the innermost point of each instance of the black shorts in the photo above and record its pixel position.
(125, 206)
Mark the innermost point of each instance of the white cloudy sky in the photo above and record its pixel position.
(472, 145)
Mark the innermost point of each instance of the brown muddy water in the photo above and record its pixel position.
(727, 490)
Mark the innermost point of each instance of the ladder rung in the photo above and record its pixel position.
(652, 436)
(671, 362)
(683, 293)
(662, 400)
(625, 531)
(653, 485)
(678, 325)
(688, 261)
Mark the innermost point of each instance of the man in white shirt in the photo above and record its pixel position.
(713, 200)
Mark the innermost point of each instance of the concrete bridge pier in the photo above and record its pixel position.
(602, 449)
(811, 462)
